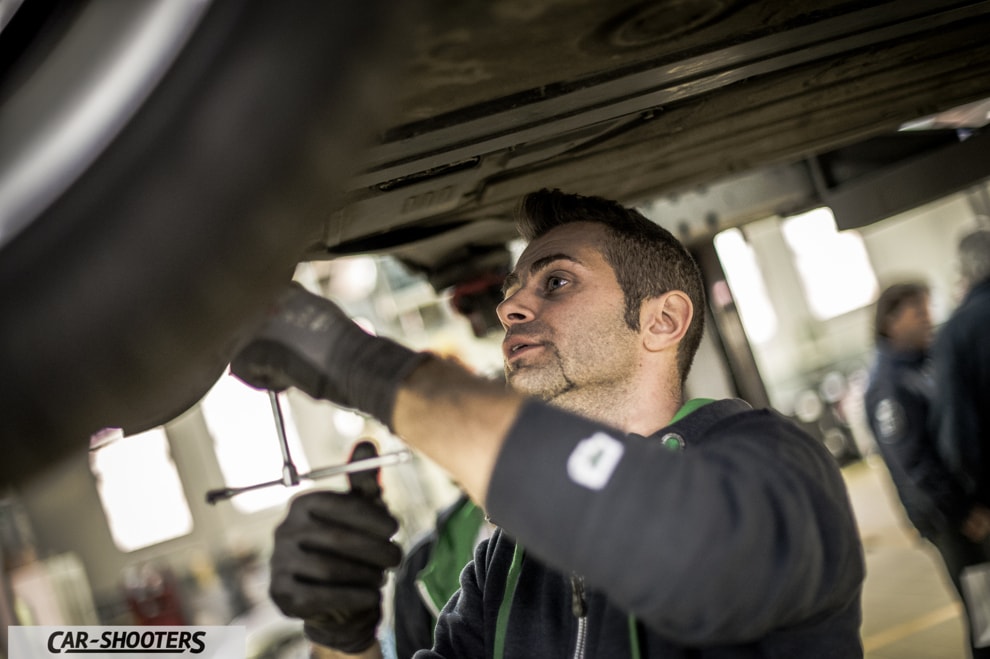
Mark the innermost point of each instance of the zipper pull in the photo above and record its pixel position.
(578, 604)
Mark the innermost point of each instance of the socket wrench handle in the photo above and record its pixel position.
(383, 460)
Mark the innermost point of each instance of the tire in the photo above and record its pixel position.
(123, 301)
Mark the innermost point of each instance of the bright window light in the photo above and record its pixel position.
(834, 268)
(245, 439)
(347, 423)
(140, 489)
(745, 280)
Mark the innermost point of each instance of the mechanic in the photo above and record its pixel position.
(631, 523)
(898, 402)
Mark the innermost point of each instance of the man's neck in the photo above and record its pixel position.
(641, 410)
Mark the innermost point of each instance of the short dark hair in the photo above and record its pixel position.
(891, 300)
(648, 260)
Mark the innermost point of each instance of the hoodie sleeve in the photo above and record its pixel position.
(746, 530)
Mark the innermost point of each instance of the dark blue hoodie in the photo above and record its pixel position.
(743, 544)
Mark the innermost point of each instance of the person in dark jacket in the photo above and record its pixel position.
(962, 373)
(631, 523)
(961, 421)
(899, 401)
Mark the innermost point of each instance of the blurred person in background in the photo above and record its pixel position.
(899, 400)
(962, 373)
(961, 421)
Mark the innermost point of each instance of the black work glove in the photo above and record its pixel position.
(329, 560)
(309, 342)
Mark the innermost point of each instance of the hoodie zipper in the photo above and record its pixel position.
(579, 606)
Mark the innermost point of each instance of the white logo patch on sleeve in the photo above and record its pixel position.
(890, 420)
(593, 460)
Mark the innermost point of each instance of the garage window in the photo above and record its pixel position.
(245, 440)
(745, 280)
(139, 488)
(833, 266)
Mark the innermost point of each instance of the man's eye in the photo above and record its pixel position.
(553, 283)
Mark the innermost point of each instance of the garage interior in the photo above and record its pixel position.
(744, 128)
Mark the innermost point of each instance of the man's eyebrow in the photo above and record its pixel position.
(512, 278)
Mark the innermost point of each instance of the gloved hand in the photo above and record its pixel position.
(307, 341)
(329, 560)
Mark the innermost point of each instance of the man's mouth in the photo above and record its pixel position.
(514, 348)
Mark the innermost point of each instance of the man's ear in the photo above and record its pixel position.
(664, 320)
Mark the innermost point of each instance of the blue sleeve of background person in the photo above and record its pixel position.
(910, 450)
(957, 412)
(748, 530)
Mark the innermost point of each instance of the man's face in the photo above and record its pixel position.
(563, 313)
(911, 327)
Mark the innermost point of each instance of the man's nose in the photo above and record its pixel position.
(514, 309)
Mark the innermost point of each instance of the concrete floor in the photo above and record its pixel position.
(909, 608)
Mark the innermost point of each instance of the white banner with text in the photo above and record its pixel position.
(120, 642)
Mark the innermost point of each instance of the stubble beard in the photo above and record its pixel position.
(546, 381)
(549, 380)
(551, 384)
